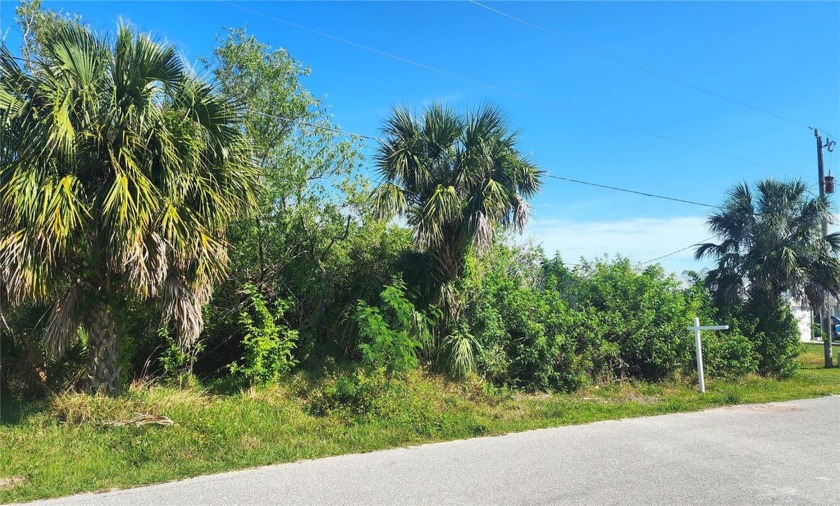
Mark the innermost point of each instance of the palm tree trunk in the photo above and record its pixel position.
(450, 258)
(103, 368)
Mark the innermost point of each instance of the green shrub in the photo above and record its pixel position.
(268, 343)
(459, 350)
(176, 362)
(354, 395)
(521, 328)
(728, 354)
(763, 337)
(775, 336)
(392, 335)
(540, 325)
(644, 313)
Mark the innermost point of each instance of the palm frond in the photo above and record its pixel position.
(773, 243)
(460, 349)
(458, 178)
(442, 206)
(388, 200)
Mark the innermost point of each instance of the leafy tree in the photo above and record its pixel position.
(38, 26)
(313, 240)
(119, 172)
(455, 179)
(772, 245)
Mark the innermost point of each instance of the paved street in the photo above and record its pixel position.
(755, 454)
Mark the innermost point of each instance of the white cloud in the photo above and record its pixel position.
(639, 239)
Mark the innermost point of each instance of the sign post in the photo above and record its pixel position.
(697, 328)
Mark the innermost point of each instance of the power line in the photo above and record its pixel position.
(636, 65)
(503, 90)
(636, 192)
(677, 251)
(316, 126)
(836, 138)
(562, 178)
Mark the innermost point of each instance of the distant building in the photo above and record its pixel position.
(805, 318)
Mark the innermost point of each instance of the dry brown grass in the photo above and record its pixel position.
(11, 481)
(80, 408)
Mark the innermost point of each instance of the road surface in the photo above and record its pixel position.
(780, 453)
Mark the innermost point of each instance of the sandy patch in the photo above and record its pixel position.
(11, 481)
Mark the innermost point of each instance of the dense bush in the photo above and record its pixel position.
(540, 325)
(522, 330)
(774, 334)
(725, 354)
(392, 335)
(644, 313)
(267, 341)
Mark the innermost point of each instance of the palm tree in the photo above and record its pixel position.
(119, 171)
(454, 179)
(773, 244)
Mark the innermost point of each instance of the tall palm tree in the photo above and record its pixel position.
(119, 171)
(454, 179)
(772, 244)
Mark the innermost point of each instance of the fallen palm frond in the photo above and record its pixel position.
(141, 419)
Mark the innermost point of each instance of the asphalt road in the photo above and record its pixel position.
(752, 454)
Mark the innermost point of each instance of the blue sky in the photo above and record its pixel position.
(582, 115)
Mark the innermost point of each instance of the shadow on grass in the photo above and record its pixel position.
(15, 411)
(311, 372)
(812, 356)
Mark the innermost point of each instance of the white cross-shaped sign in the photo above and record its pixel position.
(697, 328)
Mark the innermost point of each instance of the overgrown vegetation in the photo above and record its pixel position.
(392, 336)
(267, 342)
(300, 313)
(314, 274)
(121, 169)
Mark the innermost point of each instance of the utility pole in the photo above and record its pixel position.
(824, 312)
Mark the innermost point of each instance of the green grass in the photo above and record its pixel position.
(60, 446)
